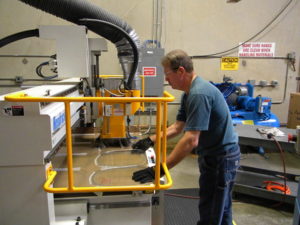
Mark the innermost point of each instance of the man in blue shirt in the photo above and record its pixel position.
(205, 119)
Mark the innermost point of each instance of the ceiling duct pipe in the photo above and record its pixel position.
(103, 23)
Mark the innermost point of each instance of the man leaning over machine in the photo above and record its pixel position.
(205, 119)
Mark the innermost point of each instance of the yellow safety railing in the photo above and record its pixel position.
(110, 76)
(160, 143)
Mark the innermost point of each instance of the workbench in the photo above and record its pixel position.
(248, 135)
(250, 180)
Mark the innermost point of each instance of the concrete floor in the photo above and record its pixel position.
(186, 173)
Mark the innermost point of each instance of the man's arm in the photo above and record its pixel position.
(172, 131)
(185, 145)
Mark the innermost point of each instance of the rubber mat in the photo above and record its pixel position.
(179, 208)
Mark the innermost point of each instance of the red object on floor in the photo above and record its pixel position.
(272, 186)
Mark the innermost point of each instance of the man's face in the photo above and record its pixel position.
(174, 78)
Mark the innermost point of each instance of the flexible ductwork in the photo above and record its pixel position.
(101, 22)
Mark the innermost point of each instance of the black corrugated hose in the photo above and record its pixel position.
(76, 10)
(94, 22)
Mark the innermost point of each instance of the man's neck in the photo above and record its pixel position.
(189, 82)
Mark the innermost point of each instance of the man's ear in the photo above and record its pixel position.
(181, 69)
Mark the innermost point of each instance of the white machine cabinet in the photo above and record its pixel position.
(28, 131)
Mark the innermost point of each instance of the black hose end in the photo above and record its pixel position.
(127, 86)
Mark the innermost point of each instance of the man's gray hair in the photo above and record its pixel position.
(177, 58)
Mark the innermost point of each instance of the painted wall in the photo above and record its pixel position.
(199, 27)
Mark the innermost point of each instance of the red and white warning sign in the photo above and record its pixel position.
(257, 49)
(149, 71)
(15, 110)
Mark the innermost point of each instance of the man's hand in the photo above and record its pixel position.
(146, 175)
(143, 144)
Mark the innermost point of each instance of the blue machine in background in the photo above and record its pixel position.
(246, 109)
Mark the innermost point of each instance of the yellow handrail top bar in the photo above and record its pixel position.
(21, 97)
(110, 76)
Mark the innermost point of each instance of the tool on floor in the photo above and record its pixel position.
(273, 186)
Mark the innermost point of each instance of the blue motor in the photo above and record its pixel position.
(246, 109)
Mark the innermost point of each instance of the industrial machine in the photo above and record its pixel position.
(29, 132)
(35, 124)
(246, 109)
(51, 159)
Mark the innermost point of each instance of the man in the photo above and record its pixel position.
(205, 119)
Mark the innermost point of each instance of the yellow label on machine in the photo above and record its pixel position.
(230, 63)
(248, 122)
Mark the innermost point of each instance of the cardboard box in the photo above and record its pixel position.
(294, 111)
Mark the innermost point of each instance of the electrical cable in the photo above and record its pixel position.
(258, 33)
(128, 128)
(25, 79)
(24, 56)
(38, 71)
(113, 94)
(119, 87)
(285, 87)
(187, 196)
(120, 91)
(271, 136)
(90, 92)
(182, 196)
(18, 36)
(153, 20)
(150, 121)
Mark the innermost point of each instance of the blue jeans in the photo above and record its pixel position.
(216, 183)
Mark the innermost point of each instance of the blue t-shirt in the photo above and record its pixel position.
(205, 109)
